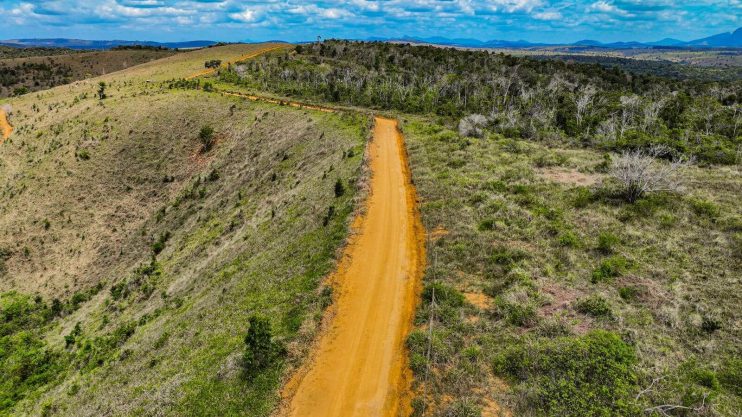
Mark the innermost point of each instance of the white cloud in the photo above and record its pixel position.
(548, 15)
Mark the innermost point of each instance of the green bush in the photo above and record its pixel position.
(591, 375)
(521, 315)
(206, 136)
(595, 306)
(339, 188)
(568, 238)
(628, 293)
(444, 295)
(607, 242)
(610, 268)
(261, 351)
(507, 258)
(704, 208)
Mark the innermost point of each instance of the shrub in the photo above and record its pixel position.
(610, 268)
(628, 293)
(704, 208)
(444, 295)
(521, 315)
(472, 126)
(206, 136)
(606, 242)
(261, 350)
(507, 257)
(595, 306)
(569, 239)
(582, 197)
(638, 172)
(339, 188)
(159, 244)
(591, 375)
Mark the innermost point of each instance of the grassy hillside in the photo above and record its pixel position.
(30, 73)
(132, 258)
(551, 295)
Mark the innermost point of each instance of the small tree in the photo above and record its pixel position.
(471, 126)
(638, 172)
(206, 136)
(260, 350)
(339, 188)
(101, 90)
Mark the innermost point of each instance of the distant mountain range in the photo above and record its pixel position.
(722, 40)
(85, 44)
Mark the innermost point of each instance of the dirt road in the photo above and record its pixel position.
(359, 368)
(5, 128)
(238, 59)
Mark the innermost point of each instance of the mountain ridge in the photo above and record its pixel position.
(720, 40)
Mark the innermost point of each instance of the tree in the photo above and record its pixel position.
(639, 172)
(472, 125)
(260, 349)
(339, 188)
(206, 136)
(583, 101)
(101, 90)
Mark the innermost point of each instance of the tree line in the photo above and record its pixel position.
(517, 96)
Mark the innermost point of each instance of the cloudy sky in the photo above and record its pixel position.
(292, 20)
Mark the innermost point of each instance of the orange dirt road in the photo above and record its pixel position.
(238, 59)
(5, 128)
(359, 368)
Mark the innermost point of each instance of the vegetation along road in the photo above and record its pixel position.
(359, 366)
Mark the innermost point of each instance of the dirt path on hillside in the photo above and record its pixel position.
(5, 128)
(360, 364)
(238, 59)
(271, 100)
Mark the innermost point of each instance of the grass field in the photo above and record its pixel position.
(532, 257)
(158, 252)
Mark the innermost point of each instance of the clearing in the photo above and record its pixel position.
(359, 368)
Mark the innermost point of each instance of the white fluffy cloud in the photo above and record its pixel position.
(300, 19)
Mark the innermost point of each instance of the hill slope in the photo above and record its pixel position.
(138, 257)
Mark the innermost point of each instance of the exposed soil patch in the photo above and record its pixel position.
(360, 365)
(569, 176)
(5, 128)
(479, 300)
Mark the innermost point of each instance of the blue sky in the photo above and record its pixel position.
(292, 20)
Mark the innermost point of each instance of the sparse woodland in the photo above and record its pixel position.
(535, 99)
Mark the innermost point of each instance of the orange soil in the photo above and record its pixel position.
(238, 59)
(5, 128)
(360, 364)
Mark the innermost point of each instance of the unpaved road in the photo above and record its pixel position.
(359, 367)
(238, 59)
(5, 128)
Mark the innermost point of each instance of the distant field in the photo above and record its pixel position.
(723, 65)
(33, 73)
